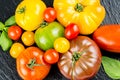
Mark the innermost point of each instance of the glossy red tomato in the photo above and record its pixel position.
(108, 37)
(49, 14)
(82, 61)
(71, 31)
(31, 65)
(51, 56)
(14, 32)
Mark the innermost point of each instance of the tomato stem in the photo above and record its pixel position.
(32, 63)
(21, 10)
(43, 24)
(79, 7)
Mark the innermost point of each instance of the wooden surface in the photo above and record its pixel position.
(7, 63)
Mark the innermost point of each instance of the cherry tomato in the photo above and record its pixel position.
(28, 38)
(14, 32)
(16, 49)
(51, 56)
(71, 31)
(61, 45)
(50, 14)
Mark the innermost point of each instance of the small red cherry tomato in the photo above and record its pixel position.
(14, 32)
(71, 31)
(49, 14)
(51, 56)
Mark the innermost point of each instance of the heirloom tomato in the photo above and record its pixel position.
(14, 32)
(87, 14)
(31, 65)
(16, 49)
(107, 37)
(82, 61)
(45, 36)
(29, 14)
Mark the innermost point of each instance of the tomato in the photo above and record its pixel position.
(82, 61)
(71, 31)
(29, 14)
(28, 38)
(51, 56)
(14, 32)
(61, 45)
(107, 37)
(16, 49)
(87, 14)
(45, 36)
(49, 14)
(31, 65)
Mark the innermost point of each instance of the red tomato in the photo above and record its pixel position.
(107, 37)
(51, 56)
(14, 32)
(49, 14)
(31, 65)
(71, 31)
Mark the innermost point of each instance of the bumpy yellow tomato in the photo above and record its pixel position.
(87, 14)
(29, 14)
(61, 45)
(16, 49)
(28, 38)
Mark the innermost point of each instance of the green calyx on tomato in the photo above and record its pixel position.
(79, 7)
(21, 10)
(32, 63)
(45, 36)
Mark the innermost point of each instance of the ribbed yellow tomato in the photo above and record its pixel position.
(29, 14)
(87, 14)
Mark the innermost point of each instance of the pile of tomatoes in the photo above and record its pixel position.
(46, 35)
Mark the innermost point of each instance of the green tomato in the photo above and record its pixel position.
(45, 36)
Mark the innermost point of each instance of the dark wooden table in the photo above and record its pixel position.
(7, 63)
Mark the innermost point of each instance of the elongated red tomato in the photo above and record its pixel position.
(107, 37)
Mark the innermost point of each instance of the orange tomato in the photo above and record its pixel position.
(30, 64)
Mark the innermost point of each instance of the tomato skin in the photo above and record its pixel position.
(88, 18)
(49, 14)
(28, 38)
(29, 14)
(45, 36)
(82, 61)
(16, 49)
(61, 45)
(14, 32)
(26, 70)
(51, 56)
(107, 37)
(71, 31)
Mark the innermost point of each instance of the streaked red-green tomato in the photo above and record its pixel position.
(61, 45)
(16, 49)
(51, 56)
(28, 38)
(82, 61)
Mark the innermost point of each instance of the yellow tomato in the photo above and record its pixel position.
(28, 38)
(29, 14)
(87, 14)
(16, 49)
(61, 45)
